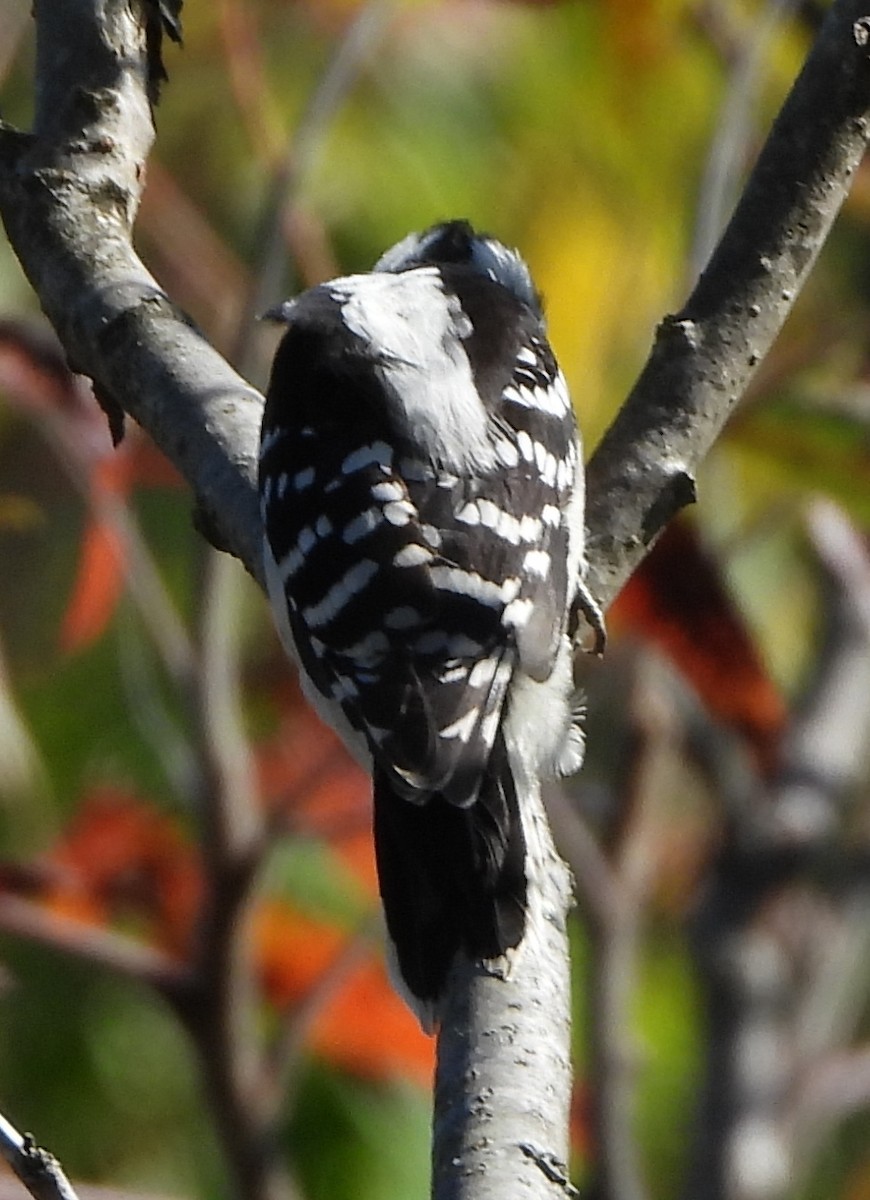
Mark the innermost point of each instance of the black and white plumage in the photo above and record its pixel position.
(422, 497)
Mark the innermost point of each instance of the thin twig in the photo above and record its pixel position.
(39, 1171)
(232, 817)
(731, 140)
(303, 146)
(221, 1013)
(285, 1056)
(91, 943)
(615, 944)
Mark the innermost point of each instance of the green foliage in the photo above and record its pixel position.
(364, 1141)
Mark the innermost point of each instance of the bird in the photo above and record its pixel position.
(422, 495)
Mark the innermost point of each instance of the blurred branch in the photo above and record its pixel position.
(836, 1088)
(39, 1171)
(291, 168)
(733, 134)
(94, 944)
(282, 1077)
(615, 944)
(613, 889)
(221, 1009)
(643, 471)
(193, 261)
(22, 774)
(783, 934)
(14, 21)
(232, 820)
(67, 436)
(826, 749)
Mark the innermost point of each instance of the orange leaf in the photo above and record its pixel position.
(367, 1029)
(292, 950)
(306, 774)
(97, 589)
(677, 599)
(121, 860)
(360, 1024)
(150, 467)
(130, 861)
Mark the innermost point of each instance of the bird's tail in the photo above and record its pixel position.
(451, 878)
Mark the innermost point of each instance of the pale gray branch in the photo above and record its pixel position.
(503, 1078)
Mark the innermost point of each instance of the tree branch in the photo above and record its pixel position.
(703, 358)
(120, 328)
(89, 943)
(503, 1075)
(781, 942)
(39, 1171)
(68, 196)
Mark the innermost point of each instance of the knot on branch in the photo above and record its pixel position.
(678, 334)
(678, 491)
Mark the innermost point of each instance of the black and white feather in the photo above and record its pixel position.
(422, 497)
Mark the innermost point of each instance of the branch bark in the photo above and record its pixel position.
(503, 1075)
(38, 1170)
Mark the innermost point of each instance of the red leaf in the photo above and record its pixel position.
(358, 1023)
(307, 775)
(123, 860)
(678, 600)
(97, 589)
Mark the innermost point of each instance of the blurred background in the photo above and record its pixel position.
(719, 830)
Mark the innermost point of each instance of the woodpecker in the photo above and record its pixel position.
(422, 495)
